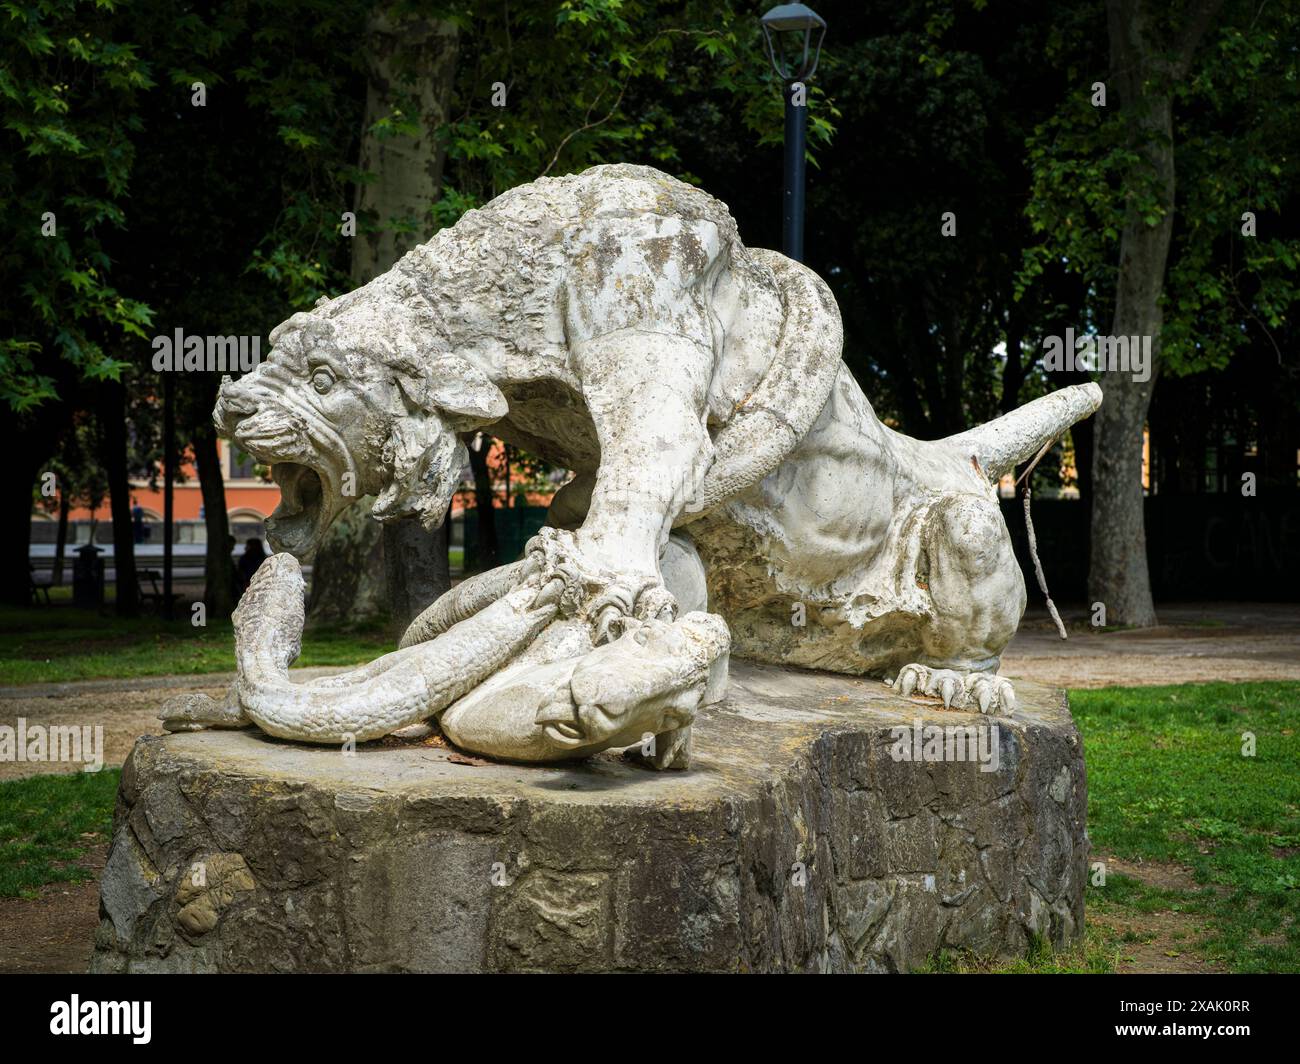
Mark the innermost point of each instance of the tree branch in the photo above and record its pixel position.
(1199, 17)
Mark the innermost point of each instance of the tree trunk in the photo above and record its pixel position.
(112, 427)
(407, 54)
(1118, 574)
(61, 540)
(218, 565)
(1084, 446)
(1014, 369)
(28, 442)
(16, 528)
(347, 574)
(488, 548)
(416, 567)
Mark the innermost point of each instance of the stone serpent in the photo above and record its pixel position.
(394, 691)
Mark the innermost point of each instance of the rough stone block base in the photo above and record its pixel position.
(797, 841)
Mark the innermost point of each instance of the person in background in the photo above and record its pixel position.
(137, 521)
(253, 556)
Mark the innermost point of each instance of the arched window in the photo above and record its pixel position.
(246, 523)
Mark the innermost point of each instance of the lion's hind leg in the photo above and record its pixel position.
(977, 597)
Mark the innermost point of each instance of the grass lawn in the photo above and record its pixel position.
(47, 823)
(62, 643)
(1167, 783)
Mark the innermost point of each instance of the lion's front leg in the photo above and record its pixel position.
(647, 394)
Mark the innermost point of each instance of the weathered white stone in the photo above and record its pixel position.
(613, 323)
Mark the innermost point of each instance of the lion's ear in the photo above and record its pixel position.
(311, 326)
(462, 393)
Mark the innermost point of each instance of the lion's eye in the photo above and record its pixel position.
(322, 380)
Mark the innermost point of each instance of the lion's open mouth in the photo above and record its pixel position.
(298, 524)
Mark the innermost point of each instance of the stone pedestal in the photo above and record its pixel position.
(799, 840)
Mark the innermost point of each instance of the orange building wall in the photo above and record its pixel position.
(243, 496)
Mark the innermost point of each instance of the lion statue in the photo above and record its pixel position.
(733, 491)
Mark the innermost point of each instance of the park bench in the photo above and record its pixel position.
(37, 587)
(154, 594)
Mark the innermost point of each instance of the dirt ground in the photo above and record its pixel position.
(1164, 941)
(53, 932)
(1195, 643)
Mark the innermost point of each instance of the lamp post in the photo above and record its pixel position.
(783, 26)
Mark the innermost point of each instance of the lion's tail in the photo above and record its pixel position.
(1003, 443)
(782, 408)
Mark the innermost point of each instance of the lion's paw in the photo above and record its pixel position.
(961, 690)
(614, 603)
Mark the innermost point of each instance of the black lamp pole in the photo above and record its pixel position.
(796, 141)
(794, 23)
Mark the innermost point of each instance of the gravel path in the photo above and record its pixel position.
(1195, 643)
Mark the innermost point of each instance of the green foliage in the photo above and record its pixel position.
(86, 88)
(79, 102)
(1240, 152)
(936, 100)
(70, 82)
(1236, 135)
(303, 77)
(592, 81)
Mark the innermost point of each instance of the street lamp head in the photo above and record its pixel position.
(794, 23)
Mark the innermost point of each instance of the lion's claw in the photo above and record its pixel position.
(984, 691)
(991, 692)
(656, 603)
(550, 592)
(622, 607)
(614, 603)
(610, 612)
